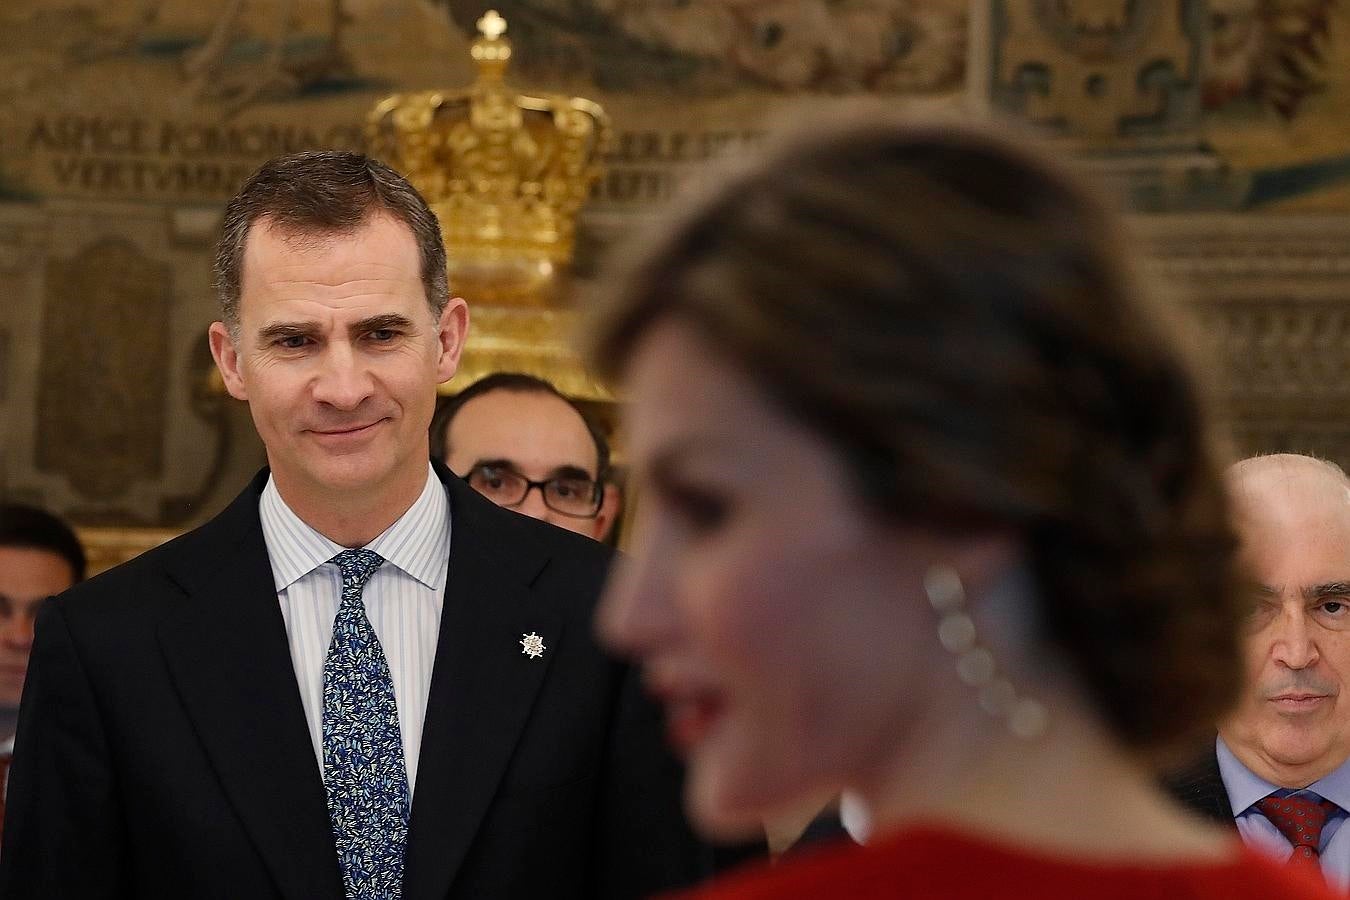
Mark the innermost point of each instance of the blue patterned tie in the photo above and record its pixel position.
(363, 769)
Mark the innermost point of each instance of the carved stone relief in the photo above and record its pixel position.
(1271, 298)
(101, 391)
(1103, 69)
(107, 419)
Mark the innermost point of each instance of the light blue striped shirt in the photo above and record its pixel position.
(1245, 789)
(403, 600)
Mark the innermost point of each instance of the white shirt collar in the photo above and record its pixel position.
(418, 542)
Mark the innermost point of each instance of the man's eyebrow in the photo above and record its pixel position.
(564, 471)
(383, 322)
(1326, 589)
(570, 471)
(279, 330)
(494, 464)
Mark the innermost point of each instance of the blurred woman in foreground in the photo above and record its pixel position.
(929, 515)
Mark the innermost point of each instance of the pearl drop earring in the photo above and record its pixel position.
(1024, 717)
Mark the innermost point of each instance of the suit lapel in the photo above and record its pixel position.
(1199, 787)
(482, 686)
(228, 655)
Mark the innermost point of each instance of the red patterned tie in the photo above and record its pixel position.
(1300, 820)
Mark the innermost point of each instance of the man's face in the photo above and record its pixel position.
(338, 354)
(27, 577)
(1292, 726)
(536, 435)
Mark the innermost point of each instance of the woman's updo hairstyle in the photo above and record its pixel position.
(956, 315)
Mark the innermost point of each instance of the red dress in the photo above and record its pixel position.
(933, 862)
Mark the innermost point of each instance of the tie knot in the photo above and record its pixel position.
(357, 566)
(1300, 818)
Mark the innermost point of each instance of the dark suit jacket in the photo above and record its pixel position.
(163, 752)
(1199, 788)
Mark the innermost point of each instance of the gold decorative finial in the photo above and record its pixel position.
(507, 174)
(491, 25)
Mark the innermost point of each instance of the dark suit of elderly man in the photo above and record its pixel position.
(361, 679)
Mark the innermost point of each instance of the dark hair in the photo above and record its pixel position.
(955, 315)
(33, 529)
(322, 193)
(517, 383)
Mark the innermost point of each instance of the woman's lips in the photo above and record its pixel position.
(689, 719)
(691, 712)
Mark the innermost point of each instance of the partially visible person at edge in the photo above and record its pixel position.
(40, 556)
(522, 444)
(929, 516)
(1278, 772)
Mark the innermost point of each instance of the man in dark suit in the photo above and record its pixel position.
(361, 678)
(1279, 770)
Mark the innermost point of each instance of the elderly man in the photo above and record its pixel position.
(362, 679)
(1279, 772)
(525, 446)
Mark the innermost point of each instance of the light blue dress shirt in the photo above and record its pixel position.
(1246, 789)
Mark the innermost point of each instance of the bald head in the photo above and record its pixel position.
(1293, 519)
(1281, 477)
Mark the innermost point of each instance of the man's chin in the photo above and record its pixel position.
(341, 473)
(352, 478)
(1297, 749)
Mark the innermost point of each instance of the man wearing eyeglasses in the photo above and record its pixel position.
(525, 446)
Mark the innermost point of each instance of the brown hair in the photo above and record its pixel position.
(322, 193)
(512, 383)
(955, 315)
(30, 528)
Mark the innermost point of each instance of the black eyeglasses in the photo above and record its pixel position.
(567, 494)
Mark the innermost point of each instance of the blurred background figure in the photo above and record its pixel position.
(39, 556)
(929, 515)
(1277, 772)
(525, 446)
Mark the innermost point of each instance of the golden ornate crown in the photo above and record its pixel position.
(506, 173)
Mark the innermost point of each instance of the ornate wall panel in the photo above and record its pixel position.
(1118, 70)
(104, 337)
(1271, 296)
